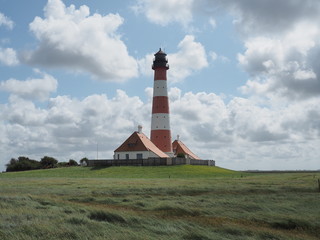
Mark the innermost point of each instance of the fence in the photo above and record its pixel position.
(148, 162)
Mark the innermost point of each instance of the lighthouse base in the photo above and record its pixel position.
(148, 162)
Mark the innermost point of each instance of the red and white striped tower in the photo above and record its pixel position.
(160, 121)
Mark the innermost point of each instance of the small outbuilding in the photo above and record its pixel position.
(179, 147)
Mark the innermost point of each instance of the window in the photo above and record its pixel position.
(139, 155)
(127, 156)
(118, 156)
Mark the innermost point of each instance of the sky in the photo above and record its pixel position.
(244, 78)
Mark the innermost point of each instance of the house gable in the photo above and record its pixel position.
(133, 143)
(179, 147)
(138, 142)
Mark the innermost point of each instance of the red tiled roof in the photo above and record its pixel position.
(179, 147)
(140, 142)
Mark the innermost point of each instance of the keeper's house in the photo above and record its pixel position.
(138, 146)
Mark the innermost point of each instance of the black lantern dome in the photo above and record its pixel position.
(160, 60)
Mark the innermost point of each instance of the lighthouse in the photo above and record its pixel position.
(160, 120)
(138, 149)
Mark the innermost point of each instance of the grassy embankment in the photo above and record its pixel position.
(144, 203)
(182, 171)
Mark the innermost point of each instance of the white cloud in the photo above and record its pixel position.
(282, 45)
(191, 57)
(213, 55)
(281, 40)
(224, 59)
(283, 65)
(145, 65)
(72, 38)
(249, 17)
(166, 11)
(265, 131)
(69, 127)
(239, 134)
(8, 56)
(244, 134)
(304, 74)
(35, 88)
(5, 21)
(212, 22)
(270, 16)
(23, 112)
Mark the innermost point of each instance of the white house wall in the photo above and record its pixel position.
(133, 155)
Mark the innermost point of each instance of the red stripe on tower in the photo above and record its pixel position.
(160, 104)
(160, 121)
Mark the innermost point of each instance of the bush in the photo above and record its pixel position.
(48, 162)
(72, 163)
(22, 164)
(62, 164)
(67, 164)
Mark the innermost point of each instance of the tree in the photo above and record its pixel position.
(48, 162)
(72, 163)
(12, 161)
(84, 161)
(22, 164)
(11, 165)
(62, 164)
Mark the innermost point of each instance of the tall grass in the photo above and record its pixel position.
(182, 171)
(264, 206)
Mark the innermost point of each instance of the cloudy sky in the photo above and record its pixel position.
(244, 78)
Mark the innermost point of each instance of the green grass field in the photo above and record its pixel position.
(177, 202)
(182, 171)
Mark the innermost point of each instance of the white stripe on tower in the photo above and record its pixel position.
(160, 88)
(160, 121)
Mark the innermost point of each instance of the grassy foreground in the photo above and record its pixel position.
(182, 171)
(144, 203)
